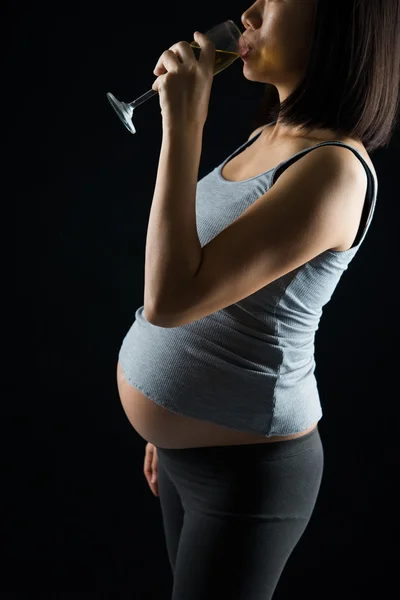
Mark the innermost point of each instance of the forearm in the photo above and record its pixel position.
(173, 250)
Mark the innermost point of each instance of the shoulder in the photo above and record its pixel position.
(326, 172)
(342, 159)
(332, 161)
(332, 182)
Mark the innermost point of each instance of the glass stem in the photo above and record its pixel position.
(142, 98)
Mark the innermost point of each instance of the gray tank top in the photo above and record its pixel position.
(249, 366)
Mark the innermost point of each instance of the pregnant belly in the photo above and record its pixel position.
(166, 429)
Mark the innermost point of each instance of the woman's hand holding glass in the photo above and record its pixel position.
(184, 83)
(181, 74)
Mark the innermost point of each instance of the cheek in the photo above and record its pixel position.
(284, 43)
(278, 38)
(273, 59)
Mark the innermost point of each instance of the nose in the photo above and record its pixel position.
(248, 20)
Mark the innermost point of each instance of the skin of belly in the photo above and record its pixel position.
(166, 429)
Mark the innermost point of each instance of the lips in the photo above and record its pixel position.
(246, 53)
(245, 48)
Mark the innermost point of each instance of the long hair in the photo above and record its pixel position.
(352, 81)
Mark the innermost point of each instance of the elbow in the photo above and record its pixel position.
(149, 314)
(155, 319)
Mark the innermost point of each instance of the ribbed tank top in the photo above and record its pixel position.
(249, 366)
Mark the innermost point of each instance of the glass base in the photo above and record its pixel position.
(124, 111)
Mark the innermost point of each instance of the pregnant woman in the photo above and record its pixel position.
(217, 372)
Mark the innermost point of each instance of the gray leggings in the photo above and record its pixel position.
(232, 515)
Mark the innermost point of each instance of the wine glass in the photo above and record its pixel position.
(226, 39)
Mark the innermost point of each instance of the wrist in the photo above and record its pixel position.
(183, 129)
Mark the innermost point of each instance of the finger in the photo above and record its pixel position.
(207, 54)
(168, 61)
(185, 52)
(148, 459)
(154, 471)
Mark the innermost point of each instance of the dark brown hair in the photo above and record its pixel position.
(352, 81)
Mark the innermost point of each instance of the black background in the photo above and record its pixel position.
(85, 523)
